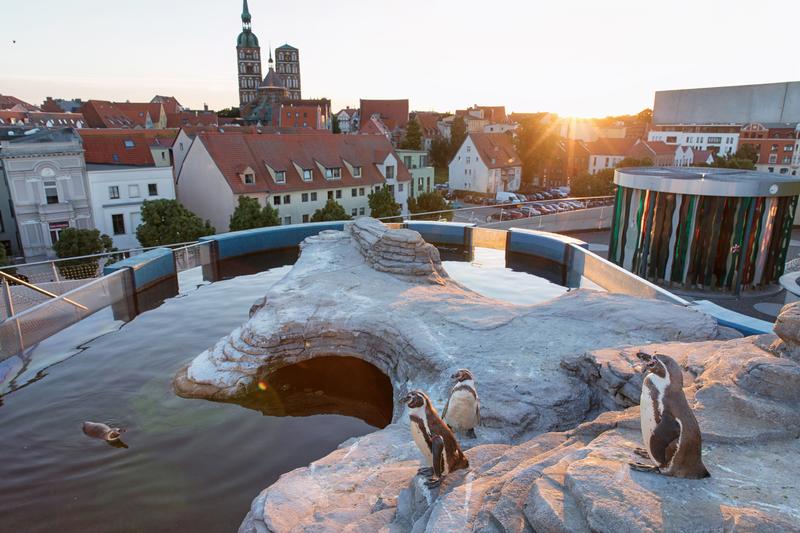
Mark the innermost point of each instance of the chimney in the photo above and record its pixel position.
(205, 107)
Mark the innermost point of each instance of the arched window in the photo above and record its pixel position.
(294, 56)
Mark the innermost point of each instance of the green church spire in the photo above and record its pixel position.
(245, 16)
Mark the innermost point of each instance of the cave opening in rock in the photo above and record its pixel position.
(340, 385)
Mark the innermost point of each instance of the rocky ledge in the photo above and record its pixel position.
(542, 372)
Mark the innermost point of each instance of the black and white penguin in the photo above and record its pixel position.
(101, 431)
(434, 439)
(670, 431)
(462, 412)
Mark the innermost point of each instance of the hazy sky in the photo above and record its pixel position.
(582, 58)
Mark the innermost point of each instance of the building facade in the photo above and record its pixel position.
(248, 57)
(775, 144)
(422, 174)
(48, 185)
(486, 163)
(287, 65)
(607, 153)
(295, 173)
(721, 139)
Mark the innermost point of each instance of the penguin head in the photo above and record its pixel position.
(462, 375)
(115, 433)
(654, 364)
(415, 398)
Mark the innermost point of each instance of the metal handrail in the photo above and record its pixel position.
(8, 277)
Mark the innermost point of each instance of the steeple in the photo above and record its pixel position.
(245, 17)
(270, 62)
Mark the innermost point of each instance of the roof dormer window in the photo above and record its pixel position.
(129, 144)
(307, 174)
(356, 172)
(280, 176)
(248, 177)
(333, 173)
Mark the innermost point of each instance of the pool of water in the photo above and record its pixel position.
(189, 464)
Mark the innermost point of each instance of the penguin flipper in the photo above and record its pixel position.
(478, 413)
(641, 452)
(444, 411)
(666, 432)
(425, 471)
(437, 451)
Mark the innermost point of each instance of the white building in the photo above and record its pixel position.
(295, 173)
(486, 163)
(607, 153)
(722, 140)
(500, 127)
(47, 181)
(348, 120)
(117, 194)
(422, 174)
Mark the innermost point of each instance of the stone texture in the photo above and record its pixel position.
(541, 371)
(787, 328)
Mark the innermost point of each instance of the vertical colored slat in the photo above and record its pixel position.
(673, 238)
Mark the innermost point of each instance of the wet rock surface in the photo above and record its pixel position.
(541, 371)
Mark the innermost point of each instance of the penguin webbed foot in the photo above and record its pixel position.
(641, 452)
(427, 472)
(433, 482)
(641, 467)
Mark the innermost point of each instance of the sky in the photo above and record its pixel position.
(572, 57)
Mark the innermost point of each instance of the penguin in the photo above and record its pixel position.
(670, 431)
(104, 432)
(462, 412)
(434, 439)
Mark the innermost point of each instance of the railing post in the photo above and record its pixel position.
(55, 271)
(7, 296)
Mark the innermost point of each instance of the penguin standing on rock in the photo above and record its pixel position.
(434, 439)
(670, 431)
(462, 412)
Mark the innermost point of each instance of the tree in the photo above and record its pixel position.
(440, 153)
(335, 124)
(747, 151)
(413, 138)
(230, 112)
(3, 256)
(428, 202)
(333, 210)
(74, 242)
(634, 162)
(536, 144)
(645, 116)
(599, 184)
(458, 132)
(169, 222)
(382, 204)
(249, 214)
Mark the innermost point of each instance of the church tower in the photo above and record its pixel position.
(249, 61)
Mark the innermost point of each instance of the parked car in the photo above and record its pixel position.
(530, 211)
(505, 197)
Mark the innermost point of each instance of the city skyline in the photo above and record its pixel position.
(441, 55)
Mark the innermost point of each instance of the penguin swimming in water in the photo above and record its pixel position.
(434, 439)
(462, 412)
(670, 431)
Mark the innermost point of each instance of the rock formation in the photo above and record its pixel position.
(544, 370)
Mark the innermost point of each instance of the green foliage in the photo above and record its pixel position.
(536, 144)
(382, 204)
(633, 162)
(440, 153)
(230, 112)
(413, 138)
(428, 202)
(599, 184)
(249, 214)
(645, 116)
(733, 162)
(3, 256)
(335, 124)
(333, 210)
(458, 132)
(73, 242)
(169, 222)
(747, 151)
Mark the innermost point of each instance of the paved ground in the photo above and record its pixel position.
(764, 305)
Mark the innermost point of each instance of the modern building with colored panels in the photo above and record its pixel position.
(703, 228)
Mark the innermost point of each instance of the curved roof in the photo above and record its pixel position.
(247, 39)
(708, 181)
(271, 80)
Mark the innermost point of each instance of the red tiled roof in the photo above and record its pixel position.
(605, 146)
(170, 103)
(104, 114)
(701, 156)
(6, 117)
(191, 118)
(350, 111)
(662, 148)
(125, 147)
(429, 122)
(155, 137)
(7, 102)
(394, 113)
(233, 153)
(58, 119)
(496, 150)
(137, 112)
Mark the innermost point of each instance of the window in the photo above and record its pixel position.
(249, 178)
(334, 173)
(773, 158)
(51, 192)
(118, 223)
(468, 159)
(152, 189)
(338, 194)
(133, 191)
(771, 169)
(307, 175)
(305, 219)
(361, 191)
(356, 172)
(287, 199)
(280, 176)
(361, 211)
(330, 195)
(715, 140)
(313, 197)
(354, 212)
(788, 148)
(304, 197)
(407, 160)
(774, 148)
(55, 230)
(354, 192)
(469, 148)
(129, 144)
(784, 171)
(673, 139)
(400, 187)
(390, 172)
(787, 159)
(287, 221)
(113, 192)
(276, 200)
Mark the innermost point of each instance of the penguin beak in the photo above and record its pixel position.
(405, 399)
(645, 357)
(454, 376)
